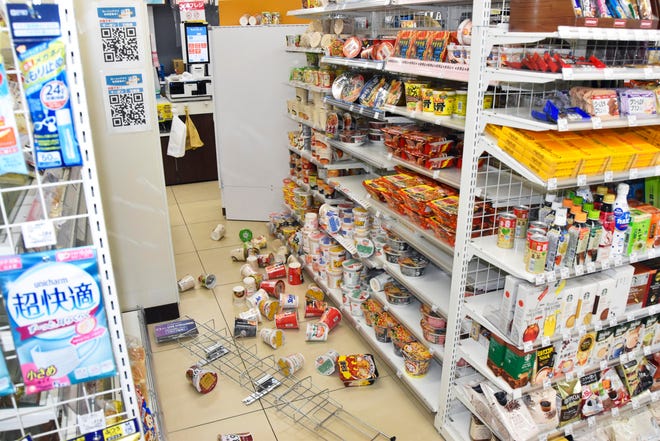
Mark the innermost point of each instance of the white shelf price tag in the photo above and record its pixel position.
(568, 430)
(654, 396)
(632, 120)
(647, 350)
(547, 384)
(39, 234)
(630, 317)
(618, 260)
(562, 124)
(591, 267)
(551, 276)
(540, 279)
(648, 72)
(608, 176)
(436, 174)
(608, 73)
(613, 321)
(603, 365)
(653, 310)
(605, 264)
(91, 422)
(634, 173)
(570, 375)
(552, 184)
(564, 273)
(596, 122)
(656, 172)
(545, 341)
(615, 412)
(624, 358)
(582, 330)
(528, 346)
(581, 180)
(634, 257)
(568, 73)
(579, 270)
(651, 253)
(598, 326)
(543, 437)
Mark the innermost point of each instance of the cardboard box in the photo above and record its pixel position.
(617, 347)
(571, 306)
(566, 356)
(613, 290)
(601, 350)
(638, 231)
(535, 315)
(588, 289)
(639, 286)
(508, 303)
(517, 366)
(172, 330)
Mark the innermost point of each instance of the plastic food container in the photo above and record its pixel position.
(397, 244)
(418, 359)
(391, 255)
(433, 319)
(371, 308)
(412, 266)
(400, 337)
(355, 304)
(396, 294)
(351, 272)
(382, 326)
(433, 335)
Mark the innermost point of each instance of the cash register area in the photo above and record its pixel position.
(195, 209)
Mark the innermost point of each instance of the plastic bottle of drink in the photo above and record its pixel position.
(621, 220)
(595, 234)
(578, 238)
(607, 221)
(550, 218)
(547, 207)
(585, 193)
(557, 241)
(601, 191)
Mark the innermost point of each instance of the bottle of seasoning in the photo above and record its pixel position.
(578, 238)
(607, 221)
(621, 220)
(557, 241)
(595, 234)
(601, 191)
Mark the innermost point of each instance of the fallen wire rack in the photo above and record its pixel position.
(296, 398)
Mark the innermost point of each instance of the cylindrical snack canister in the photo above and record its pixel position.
(331, 317)
(273, 287)
(256, 298)
(326, 363)
(288, 301)
(244, 328)
(186, 282)
(317, 331)
(287, 319)
(272, 337)
(291, 363)
(506, 223)
(314, 308)
(295, 274)
(203, 380)
(277, 271)
(522, 218)
(208, 281)
(269, 307)
(253, 262)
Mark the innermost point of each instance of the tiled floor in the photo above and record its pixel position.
(195, 209)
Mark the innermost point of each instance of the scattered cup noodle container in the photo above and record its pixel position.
(250, 285)
(272, 337)
(317, 331)
(251, 314)
(273, 287)
(295, 274)
(203, 380)
(218, 232)
(247, 270)
(331, 317)
(288, 301)
(378, 283)
(287, 319)
(238, 254)
(186, 282)
(314, 308)
(253, 261)
(256, 298)
(327, 363)
(243, 436)
(291, 364)
(277, 271)
(207, 280)
(269, 307)
(239, 292)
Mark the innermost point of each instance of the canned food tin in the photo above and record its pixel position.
(522, 218)
(534, 231)
(536, 254)
(460, 105)
(506, 229)
(539, 225)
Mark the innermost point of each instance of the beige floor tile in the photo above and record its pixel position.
(181, 240)
(175, 215)
(202, 211)
(201, 232)
(199, 191)
(218, 261)
(169, 191)
(188, 263)
(182, 405)
(256, 423)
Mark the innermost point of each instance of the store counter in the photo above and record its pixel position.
(196, 165)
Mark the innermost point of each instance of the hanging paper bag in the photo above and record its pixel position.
(176, 146)
(193, 141)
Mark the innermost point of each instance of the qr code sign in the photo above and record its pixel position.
(120, 44)
(127, 110)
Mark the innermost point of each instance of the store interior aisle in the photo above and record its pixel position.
(195, 209)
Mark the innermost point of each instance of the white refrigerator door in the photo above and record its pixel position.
(250, 92)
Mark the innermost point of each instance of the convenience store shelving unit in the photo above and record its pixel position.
(503, 181)
(69, 199)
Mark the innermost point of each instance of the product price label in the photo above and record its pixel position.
(568, 73)
(436, 174)
(608, 176)
(615, 412)
(632, 120)
(618, 260)
(597, 123)
(591, 421)
(547, 384)
(570, 375)
(613, 321)
(540, 279)
(562, 124)
(38, 234)
(545, 341)
(551, 276)
(608, 73)
(634, 173)
(603, 365)
(579, 270)
(91, 422)
(564, 273)
(552, 184)
(591, 267)
(528, 346)
(568, 430)
(648, 72)
(598, 326)
(634, 257)
(605, 264)
(652, 253)
(647, 350)
(581, 180)
(517, 394)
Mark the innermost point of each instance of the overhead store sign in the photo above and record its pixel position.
(192, 10)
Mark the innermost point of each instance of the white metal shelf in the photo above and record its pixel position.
(365, 5)
(425, 388)
(337, 165)
(425, 68)
(315, 193)
(573, 74)
(511, 260)
(521, 118)
(355, 63)
(489, 145)
(458, 426)
(310, 87)
(369, 112)
(483, 310)
(410, 317)
(309, 50)
(450, 176)
(373, 154)
(433, 288)
(500, 36)
(429, 117)
(305, 122)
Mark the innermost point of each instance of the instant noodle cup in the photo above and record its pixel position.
(351, 272)
(417, 359)
(357, 369)
(273, 287)
(331, 317)
(277, 271)
(256, 298)
(314, 308)
(268, 308)
(400, 337)
(204, 381)
(287, 319)
(288, 301)
(291, 363)
(326, 363)
(317, 331)
(334, 278)
(355, 304)
(272, 337)
(295, 274)
(251, 314)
